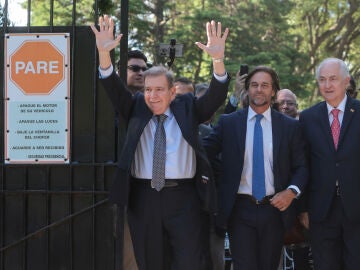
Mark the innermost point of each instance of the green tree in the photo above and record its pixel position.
(292, 36)
(3, 17)
(327, 28)
(259, 35)
(148, 24)
(63, 11)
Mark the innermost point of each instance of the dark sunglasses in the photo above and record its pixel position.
(136, 68)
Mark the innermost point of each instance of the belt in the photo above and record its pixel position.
(168, 182)
(265, 200)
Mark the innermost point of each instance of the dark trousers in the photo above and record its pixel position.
(213, 256)
(256, 235)
(173, 214)
(335, 241)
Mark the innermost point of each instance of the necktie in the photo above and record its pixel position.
(335, 127)
(159, 155)
(258, 172)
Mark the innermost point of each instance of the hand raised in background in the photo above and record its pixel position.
(215, 45)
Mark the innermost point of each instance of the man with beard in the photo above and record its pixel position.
(263, 170)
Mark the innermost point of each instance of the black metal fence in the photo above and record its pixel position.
(57, 216)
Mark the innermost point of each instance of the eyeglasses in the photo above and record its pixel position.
(136, 68)
(287, 102)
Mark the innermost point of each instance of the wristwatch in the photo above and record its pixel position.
(294, 191)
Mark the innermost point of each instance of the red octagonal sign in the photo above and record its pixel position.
(37, 67)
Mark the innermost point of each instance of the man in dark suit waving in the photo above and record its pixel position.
(163, 174)
(332, 130)
(263, 170)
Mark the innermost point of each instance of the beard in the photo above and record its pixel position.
(259, 101)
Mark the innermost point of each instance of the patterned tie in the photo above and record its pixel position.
(258, 180)
(159, 155)
(335, 127)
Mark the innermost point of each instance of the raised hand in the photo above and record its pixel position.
(105, 40)
(215, 46)
(105, 37)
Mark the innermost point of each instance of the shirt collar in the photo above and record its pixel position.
(266, 114)
(341, 106)
(168, 113)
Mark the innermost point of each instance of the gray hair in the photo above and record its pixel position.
(158, 71)
(287, 91)
(344, 70)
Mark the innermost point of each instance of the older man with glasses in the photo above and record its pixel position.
(286, 103)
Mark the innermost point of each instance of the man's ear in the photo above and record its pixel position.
(172, 92)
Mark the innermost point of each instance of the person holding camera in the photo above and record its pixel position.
(239, 95)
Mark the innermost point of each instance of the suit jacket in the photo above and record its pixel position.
(189, 112)
(204, 130)
(328, 165)
(229, 108)
(289, 163)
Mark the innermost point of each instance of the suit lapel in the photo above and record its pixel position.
(348, 115)
(141, 118)
(325, 125)
(241, 128)
(179, 112)
(277, 134)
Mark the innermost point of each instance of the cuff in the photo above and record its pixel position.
(221, 79)
(104, 73)
(295, 189)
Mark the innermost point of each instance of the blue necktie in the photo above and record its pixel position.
(258, 172)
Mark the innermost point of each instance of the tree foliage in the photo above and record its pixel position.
(83, 11)
(328, 28)
(292, 36)
(3, 17)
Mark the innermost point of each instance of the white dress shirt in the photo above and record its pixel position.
(180, 156)
(341, 107)
(246, 176)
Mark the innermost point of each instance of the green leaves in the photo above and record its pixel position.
(292, 36)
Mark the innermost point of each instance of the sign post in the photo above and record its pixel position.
(37, 98)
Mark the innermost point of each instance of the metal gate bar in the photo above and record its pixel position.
(21, 244)
(52, 225)
(49, 210)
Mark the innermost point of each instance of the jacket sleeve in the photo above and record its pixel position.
(118, 93)
(213, 98)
